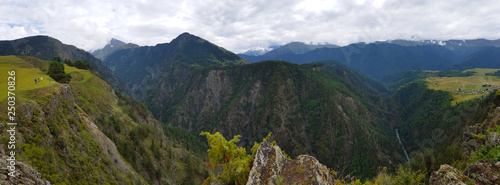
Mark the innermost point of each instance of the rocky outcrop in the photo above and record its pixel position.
(272, 167)
(484, 173)
(24, 174)
(109, 148)
(492, 140)
(447, 175)
(470, 143)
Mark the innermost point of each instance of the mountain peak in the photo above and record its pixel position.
(115, 42)
(184, 38)
(112, 46)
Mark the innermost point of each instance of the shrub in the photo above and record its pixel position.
(229, 163)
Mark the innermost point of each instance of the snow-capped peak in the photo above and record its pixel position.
(259, 50)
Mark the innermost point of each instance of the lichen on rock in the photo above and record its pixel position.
(447, 175)
(272, 167)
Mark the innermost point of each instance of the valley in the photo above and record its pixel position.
(136, 116)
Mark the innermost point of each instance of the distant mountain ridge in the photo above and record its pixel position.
(448, 43)
(45, 48)
(290, 48)
(142, 67)
(112, 46)
(256, 51)
(389, 57)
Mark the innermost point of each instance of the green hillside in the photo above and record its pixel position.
(25, 75)
(83, 132)
(45, 48)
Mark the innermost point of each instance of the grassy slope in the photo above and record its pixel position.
(156, 156)
(25, 75)
(467, 84)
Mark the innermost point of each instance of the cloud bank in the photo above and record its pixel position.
(240, 25)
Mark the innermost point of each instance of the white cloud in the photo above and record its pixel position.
(239, 25)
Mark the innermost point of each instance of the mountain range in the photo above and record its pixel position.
(381, 59)
(142, 68)
(193, 84)
(136, 116)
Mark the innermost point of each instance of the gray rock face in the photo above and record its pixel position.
(470, 143)
(447, 175)
(484, 173)
(272, 167)
(492, 140)
(24, 174)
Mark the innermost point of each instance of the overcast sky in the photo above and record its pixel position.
(238, 25)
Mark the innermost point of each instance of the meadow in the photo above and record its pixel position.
(466, 88)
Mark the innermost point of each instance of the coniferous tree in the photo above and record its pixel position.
(56, 72)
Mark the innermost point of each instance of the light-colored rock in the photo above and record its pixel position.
(492, 140)
(272, 167)
(447, 175)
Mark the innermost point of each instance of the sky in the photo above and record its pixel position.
(239, 25)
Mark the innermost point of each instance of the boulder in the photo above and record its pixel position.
(447, 175)
(272, 167)
(484, 173)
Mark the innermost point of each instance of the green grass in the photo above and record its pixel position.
(465, 84)
(25, 75)
(78, 75)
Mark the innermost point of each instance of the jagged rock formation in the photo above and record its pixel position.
(25, 174)
(272, 167)
(484, 173)
(447, 175)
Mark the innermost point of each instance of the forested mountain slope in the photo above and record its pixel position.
(328, 111)
(142, 68)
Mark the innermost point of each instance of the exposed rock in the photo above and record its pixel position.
(447, 175)
(64, 96)
(470, 143)
(29, 108)
(24, 174)
(492, 140)
(484, 173)
(272, 167)
(110, 149)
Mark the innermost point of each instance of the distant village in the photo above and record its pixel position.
(488, 88)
